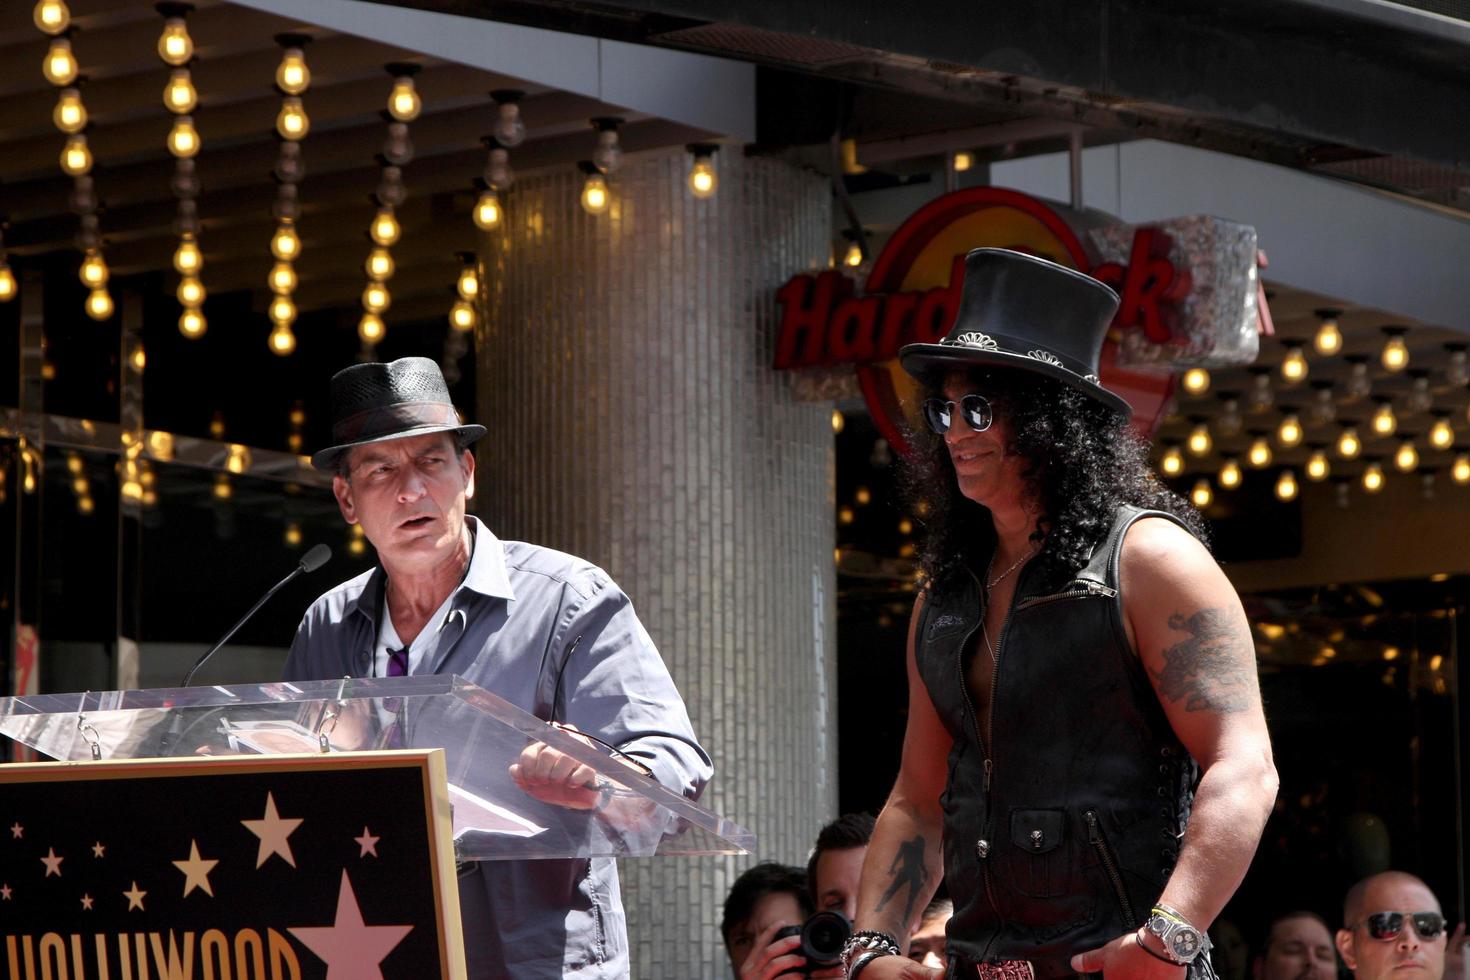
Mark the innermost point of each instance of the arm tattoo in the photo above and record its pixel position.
(1209, 669)
(907, 871)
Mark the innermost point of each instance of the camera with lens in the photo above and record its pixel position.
(822, 938)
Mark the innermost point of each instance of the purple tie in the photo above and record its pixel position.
(397, 662)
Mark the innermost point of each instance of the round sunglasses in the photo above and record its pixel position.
(975, 409)
(1390, 925)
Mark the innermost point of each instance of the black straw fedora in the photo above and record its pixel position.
(1024, 313)
(375, 402)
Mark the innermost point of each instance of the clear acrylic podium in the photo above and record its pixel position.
(481, 734)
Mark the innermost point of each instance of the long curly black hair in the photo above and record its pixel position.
(1083, 462)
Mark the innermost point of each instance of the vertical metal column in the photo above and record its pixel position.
(29, 490)
(132, 361)
(624, 374)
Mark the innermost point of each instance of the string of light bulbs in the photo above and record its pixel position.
(8, 285)
(176, 50)
(508, 132)
(404, 106)
(293, 78)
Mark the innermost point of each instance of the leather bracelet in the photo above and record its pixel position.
(862, 961)
(1143, 942)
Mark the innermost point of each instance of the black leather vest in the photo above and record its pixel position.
(1062, 827)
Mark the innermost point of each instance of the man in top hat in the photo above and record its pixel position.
(548, 632)
(1086, 760)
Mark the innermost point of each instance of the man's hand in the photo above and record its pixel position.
(768, 959)
(898, 968)
(556, 778)
(1123, 958)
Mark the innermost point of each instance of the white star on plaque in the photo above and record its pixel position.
(273, 831)
(196, 871)
(52, 862)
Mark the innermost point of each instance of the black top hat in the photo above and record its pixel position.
(376, 402)
(1025, 314)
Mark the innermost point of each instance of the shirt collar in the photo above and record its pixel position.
(486, 575)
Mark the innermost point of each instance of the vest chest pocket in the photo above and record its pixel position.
(1036, 861)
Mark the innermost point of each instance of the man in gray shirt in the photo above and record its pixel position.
(546, 631)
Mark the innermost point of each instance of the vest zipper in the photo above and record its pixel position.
(984, 751)
(1110, 864)
(1087, 589)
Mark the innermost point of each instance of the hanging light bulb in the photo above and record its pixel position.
(1395, 355)
(1172, 461)
(853, 257)
(702, 177)
(608, 155)
(376, 298)
(1260, 397)
(487, 210)
(1407, 457)
(404, 103)
(462, 316)
(385, 229)
(1259, 453)
(1457, 370)
(99, 304)
(1201, 496)
(1230, 474)
(283, 278)
(1441, 433)
(1419, 399)
(1460, 470)
(1318, 467)
(510, 128)
(282, 310)
(291, 121)
(1322, 410)
(1229, 423)
(1349, 445)
(76, 158)
(1358, 385)
(1289, 433)
(179, 95)
(190, 292)
(285, 243)
(292, 75)
(1328, 339)
(183, 139)
(175, 46)
(1373, 478)
(1294, 367)
(1199, 441)
(468, 285)
(93, 272)
(192, 324)
(8, 286)
(187, 258)
(70, 116)
(595, 196)
(1286, 486)
(238, 458)
(370, 328)
(1196, 381)
(51, 16)
(379, 265)
(282, 340)
(1384, 421)
(60, 66)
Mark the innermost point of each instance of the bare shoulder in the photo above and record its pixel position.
(1155, 545)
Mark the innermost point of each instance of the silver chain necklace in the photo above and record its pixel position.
(984, 633)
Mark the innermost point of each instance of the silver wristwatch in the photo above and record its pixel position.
(1182, 942)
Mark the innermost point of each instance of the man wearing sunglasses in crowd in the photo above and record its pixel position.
(1393, 929)
(544, 630)
(1086, 760)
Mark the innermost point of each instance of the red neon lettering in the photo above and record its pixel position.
(805, 306)
(939, 306)
(851, 336)
(1144, 285)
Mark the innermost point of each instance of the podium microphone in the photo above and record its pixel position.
(315, 558)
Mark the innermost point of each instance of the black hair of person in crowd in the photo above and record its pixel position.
(834, 887)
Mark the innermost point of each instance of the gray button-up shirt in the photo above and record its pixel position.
(513, 628)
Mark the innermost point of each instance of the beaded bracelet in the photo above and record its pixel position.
(868, 941)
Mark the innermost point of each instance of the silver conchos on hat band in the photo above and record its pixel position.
(1045, 356)
(1093, 378)
(980, 341)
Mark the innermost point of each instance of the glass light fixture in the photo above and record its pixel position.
(60, 66)
(285, 243)
(292, 122)
(51, 16)
(1358, 384)
(1407, 457)
(1323, 409)
(468, 285)
(510, 128)
(1349, 445)
(1419, 399)
(183, 138)
(1460, 469)
(376, 298)
(608, 155)
(1230, 474)
(595, 196)
(93, 272)
(175, 46)
(1294, 366)
(238, 458)
(1196, 381)
(8, 285)
(1199, 441)
(853, 257)
(76, 157)
(1259, 454)
(385, 229)
(1328, 339)
(282, 340)
(222, 488)
(1202, 495)
(292, 75)
(370, 328)
(70, 115)
(1260, 397)
(99, 304)
(1457, 368)
(1286, 486)
(1384, 421)
(379, 265)
(283, 278)
(1171, 462)
(1229, 423)
(1289, 433)
(404, 103)
(703, 180)
(179, 95)
(188, 260)
(1373, 478)
(1441, 433)
(1395, 355)
(190, 291)
(487, 210)
(462, 316)
(1318, 467)
(282, 309)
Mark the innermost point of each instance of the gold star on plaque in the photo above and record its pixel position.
(98, 849)
(5, 891)
(16, 830)
(196, 871)
(273, 831)
(52, 863)
(135, 898)
(368, 843)
(87, 902)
